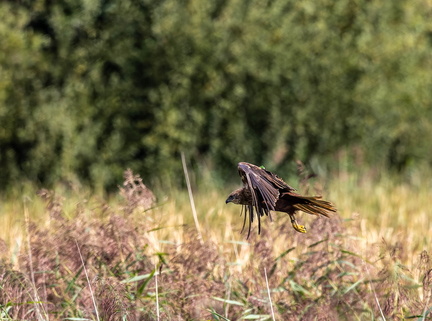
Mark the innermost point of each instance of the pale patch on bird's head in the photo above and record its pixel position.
(239, 196)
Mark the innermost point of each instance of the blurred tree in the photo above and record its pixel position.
(89, 88)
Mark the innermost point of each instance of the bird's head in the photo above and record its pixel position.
(239, 196)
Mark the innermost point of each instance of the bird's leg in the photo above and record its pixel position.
(297, 226)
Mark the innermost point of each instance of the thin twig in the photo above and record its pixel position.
(88, 282)
(373, 291)
(227, 306)
(425, 310)
(191, 199)
(268, 292)
(37, 300)
(157, 294)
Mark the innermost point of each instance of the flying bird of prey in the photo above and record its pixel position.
(264, 191)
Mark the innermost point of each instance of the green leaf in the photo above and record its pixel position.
(138, 278)
(298, 288)
(228, 301)
(256, 317)
(144, 284)
(215, 314)
(353, 286)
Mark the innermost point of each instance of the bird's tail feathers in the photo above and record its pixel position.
(314, 205)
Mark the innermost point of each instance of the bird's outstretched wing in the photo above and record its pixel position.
(264, 188)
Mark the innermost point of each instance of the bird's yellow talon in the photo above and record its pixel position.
(298, 227)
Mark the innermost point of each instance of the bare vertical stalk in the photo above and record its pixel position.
(425, 310)
(37, 300)
(88, 282)
(269, 296)
(191, 199)
(373, 291)
(157, 294)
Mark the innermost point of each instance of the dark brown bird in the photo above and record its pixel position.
(264, 191)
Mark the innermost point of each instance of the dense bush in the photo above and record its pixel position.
(88, 88)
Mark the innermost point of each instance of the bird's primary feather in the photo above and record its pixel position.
(264, 191)
(264, 187)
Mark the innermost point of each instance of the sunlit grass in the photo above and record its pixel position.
(378, 209)
(381, 230)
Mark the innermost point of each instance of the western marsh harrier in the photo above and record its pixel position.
(264, 191)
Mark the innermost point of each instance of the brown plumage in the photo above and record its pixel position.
(264, 191)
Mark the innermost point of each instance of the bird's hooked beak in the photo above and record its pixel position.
(229, 199)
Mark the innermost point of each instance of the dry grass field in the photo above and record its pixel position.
(70, 255)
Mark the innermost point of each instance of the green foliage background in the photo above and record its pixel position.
(89, 88)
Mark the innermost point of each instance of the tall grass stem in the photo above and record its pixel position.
(88, 282)
(269, 296)
(191, 198)
(37, 300)
(157, 294)
(373, 291)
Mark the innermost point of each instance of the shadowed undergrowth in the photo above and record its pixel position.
(128, 246)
